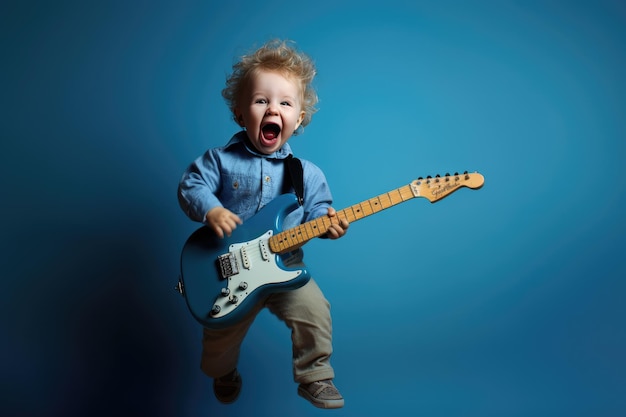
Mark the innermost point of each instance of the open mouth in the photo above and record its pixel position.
(271, 131)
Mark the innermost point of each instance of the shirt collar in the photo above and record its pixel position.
(241, 139)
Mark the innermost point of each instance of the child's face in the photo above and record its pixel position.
(271, 110)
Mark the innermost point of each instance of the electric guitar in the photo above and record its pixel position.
(222, 279)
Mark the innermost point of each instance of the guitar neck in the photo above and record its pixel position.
(295, 237)
(433, 189)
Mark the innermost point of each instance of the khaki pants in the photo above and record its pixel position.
(305, 311)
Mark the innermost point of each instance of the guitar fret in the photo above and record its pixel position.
(397, 196)
(385, 200)
(309, 231)
(287, 239)
(354, 214)
(297, 234)
(345, 214)
(372, 206)
(358, 211)
(376, 204)
(323, 221)
(362, 210)
(405, 193)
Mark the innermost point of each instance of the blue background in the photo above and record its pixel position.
(506, 301)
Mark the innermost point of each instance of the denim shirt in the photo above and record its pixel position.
(242, 180)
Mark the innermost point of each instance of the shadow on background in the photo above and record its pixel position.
(92, 329)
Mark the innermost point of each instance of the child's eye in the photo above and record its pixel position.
(260, 101)
(285, 103)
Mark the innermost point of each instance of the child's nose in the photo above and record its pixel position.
(271, 109)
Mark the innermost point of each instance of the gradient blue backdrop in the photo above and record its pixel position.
(507, 301)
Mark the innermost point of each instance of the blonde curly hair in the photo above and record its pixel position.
(278, 56)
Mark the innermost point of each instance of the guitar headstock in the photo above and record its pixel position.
(438, 187)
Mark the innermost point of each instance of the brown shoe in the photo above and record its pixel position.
(322, 394)
(227, 387)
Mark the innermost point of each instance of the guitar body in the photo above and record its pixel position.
(223, 279)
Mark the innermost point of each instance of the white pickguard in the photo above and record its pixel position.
(256, 267)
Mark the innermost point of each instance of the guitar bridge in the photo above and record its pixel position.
(228, 265)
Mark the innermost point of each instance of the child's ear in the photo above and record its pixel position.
(300, 119)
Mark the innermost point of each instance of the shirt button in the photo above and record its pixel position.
(267, 178)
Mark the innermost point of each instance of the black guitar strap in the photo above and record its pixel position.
(294, 177)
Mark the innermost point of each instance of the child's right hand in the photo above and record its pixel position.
(222, 221)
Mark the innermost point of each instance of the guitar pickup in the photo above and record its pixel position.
(228, 265)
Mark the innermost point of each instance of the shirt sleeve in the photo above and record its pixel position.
(317, 195)
(199, 186)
